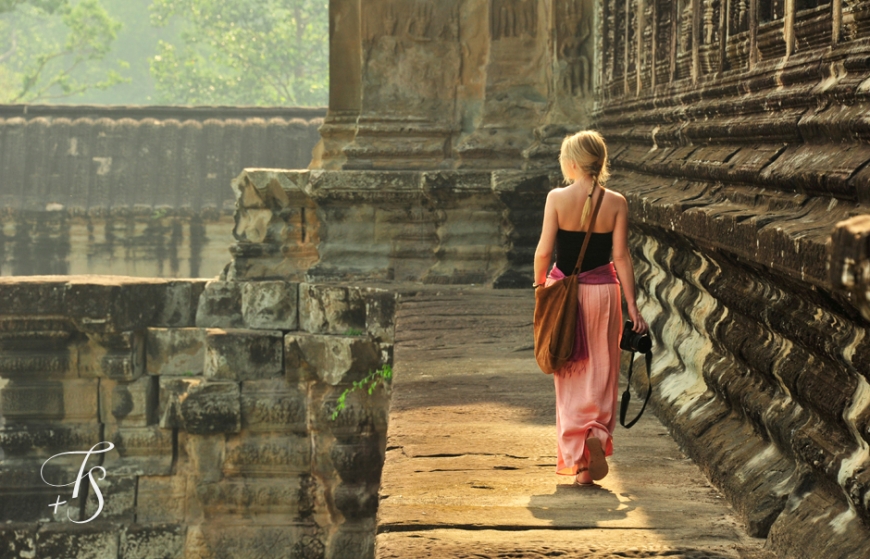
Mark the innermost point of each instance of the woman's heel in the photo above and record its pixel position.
(598, 467)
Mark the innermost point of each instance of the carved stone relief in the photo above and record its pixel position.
(619, 39)
(631, 36)
(411, 58)
(608, 40)
(519, 73)
(664, 23)
(574, 21)
(710, 20)
(770, 10)
(646, 51)
(512, 19)
(738, 17)
(684, 39)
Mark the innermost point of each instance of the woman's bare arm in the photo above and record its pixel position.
(544, 252)
(624, 267)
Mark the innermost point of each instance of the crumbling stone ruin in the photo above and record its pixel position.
(218, 398)
(738, 133)
(138, 191)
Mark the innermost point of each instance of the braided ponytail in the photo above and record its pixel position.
(588, 150)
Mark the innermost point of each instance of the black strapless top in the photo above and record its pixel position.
(569, 243)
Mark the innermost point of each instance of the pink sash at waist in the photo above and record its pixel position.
(596, 276)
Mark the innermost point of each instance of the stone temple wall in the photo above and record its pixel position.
(469, 227)
(218, 400)
(738, 133)
(140, 191)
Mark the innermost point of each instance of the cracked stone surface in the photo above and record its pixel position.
(471, 453)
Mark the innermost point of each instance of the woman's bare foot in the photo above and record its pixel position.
(598, 467)
(583, 478)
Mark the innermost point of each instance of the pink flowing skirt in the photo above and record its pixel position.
(587, 389)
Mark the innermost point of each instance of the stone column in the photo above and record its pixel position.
(345, 82)
(410, 70)
(476, 84)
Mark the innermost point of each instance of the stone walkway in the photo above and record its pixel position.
(471, 453)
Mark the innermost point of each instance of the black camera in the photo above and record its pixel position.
(632, 341)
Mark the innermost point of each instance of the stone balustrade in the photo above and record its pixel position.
(218, 399)
(139, 191)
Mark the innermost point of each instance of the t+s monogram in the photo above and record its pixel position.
(90, 475)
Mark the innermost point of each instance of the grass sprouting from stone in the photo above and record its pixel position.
(382, 376)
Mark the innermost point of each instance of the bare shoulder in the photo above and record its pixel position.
(614, 195)
(615, 199)
(555, 196)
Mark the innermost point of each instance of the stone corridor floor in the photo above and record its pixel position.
(471, 453)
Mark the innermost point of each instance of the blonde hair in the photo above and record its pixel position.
(588, 150)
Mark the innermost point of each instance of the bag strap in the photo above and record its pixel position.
(588, 234)
(626, 396)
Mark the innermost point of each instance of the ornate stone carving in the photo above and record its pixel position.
(710, 25)
(513, 19)
(574, 19)
(664, 14)
(684, 39)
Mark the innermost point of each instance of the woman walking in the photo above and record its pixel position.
(586, 389)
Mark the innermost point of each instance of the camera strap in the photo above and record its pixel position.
(626, 396)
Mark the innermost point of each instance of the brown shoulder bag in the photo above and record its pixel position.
(556, 311)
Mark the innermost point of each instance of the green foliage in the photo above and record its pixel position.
(384, 376)
(48, 49)
(45, 5)
(354, 332)
(243, 52)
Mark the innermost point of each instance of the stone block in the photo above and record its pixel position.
(69, 541)
(161, 499)
(139, 450)
(250, 498)
(330, 359)
(380, 308)
(243, 354)
(204, 455)
(356, 501)
(363, 412)
(118, 356)
(273, 405)
(118, 493)
(152, 541)
(47, 364)
(106, 304)
(199, 407)
(25, 497)
(18, 541)
(132, 404)
(211, 541)
(270, 305)
(358, 461)
(353, 540)
(179, 304)
(73, 400)
(34, 345)
(175, 351)
(42, 438)
(330, 309)
(26, 296)
(268, 455)
(220, 305)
